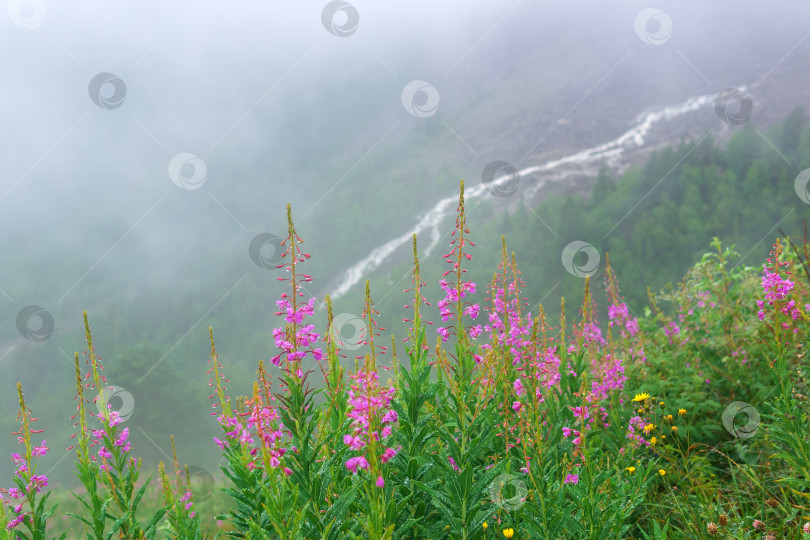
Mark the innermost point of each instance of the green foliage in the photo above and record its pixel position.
(551, 431)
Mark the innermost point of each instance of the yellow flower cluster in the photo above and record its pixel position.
(645, 403)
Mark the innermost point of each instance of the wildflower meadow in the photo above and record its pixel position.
(492, 421)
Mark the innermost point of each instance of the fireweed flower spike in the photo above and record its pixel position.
(418, 300)
(372, 420)
(87, 464)
(372, 329)
(177, 497)
(509, 331)
(458, 289)
(371, 424)
(295, 339)
(227, 419)
(118, 471)
(29, 484)
(618, 312)
(780, 297)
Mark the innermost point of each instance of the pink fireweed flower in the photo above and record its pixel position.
(122, 438)
(295, 339)
(359, 461)
(263, 431)
(592, 333)
(39, 450)
(519, 388)
(778, 289)
(355, 443)
(618, 312)
(457, 290)
(296, 345)
(28, 483)
(370, 408)
(388, 454)
(635, 427)
(452, 295)
(37, 482)
(16, 521)
(380, 482)
(572, 479)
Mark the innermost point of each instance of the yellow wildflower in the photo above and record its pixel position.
(653, 441)
(631, 470)
(681, 412)
(668, 418)
(485, 525)
(641, 397)
(662, 472)
(649, 428)
(508, 533)
(674, 429)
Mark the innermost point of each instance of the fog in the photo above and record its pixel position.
(146, 144)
